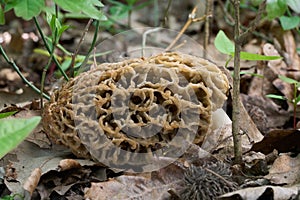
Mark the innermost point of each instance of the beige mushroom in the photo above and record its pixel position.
(138, 105)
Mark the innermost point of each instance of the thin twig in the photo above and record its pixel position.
(208, 11)
(190, 20)
(230, 21)
(16, 68)
(86, 29)
(166, 13)
(92, 47)
(219, 176)
(49, 49)
(255, 22)
(236, 87)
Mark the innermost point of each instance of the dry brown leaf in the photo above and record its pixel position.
(67, 164)
(281, 140)
(137, 186)
(33, 180)
(285, 170)
(292, 58)
(263, 192)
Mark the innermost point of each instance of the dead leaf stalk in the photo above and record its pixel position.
(192, 18)
(86, 29)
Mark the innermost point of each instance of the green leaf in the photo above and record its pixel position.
(2, 18)
(294, 5)
(223, 43)
(14, 131)
(289, 23)
(253, 56)
(275, 8)
(275, 96)
(288, 80)
(253, 74)
(297, 100)
(88, 7)
(131, 2)
(7, 114)
(28, 8)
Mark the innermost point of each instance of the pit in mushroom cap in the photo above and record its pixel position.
(131, 113)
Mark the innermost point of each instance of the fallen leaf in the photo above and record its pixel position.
(281, 140)
(285, 170)
(263, 192)
(33, 180)
(137, 186)
(67, 164)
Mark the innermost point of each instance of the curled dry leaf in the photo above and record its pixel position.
(67, 164)
(33, 180)
(263, 192)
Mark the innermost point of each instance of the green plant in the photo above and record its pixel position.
(12, 197)
(296, 96)
(119, 10)
(226, 46)
(28, 9)
(14, 131)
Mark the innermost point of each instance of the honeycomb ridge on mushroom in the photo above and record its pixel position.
(146, 106)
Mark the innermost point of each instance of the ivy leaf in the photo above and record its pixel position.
(289, 23)
(223, 43)
(28, 8)
(275, 8)
(14, 131)
(288, 80)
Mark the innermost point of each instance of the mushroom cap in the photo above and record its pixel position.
(146, 105)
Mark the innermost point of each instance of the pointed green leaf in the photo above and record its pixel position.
(253, 56)
(297, 100)
(288, 80)
(7, 114)
(223, 43)
(14, 131)
(275, 96)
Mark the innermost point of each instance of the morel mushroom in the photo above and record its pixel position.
(149, 106)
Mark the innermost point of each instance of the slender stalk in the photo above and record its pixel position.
(16, 68)
(93, 43)
(192, 18)
(86, 29)
(49, 49)
(236, 87)
(208, 10)
(295, 105)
